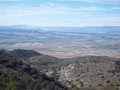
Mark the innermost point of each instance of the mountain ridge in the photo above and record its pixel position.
(16, 75)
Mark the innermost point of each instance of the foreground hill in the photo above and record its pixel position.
(102, 75)
(16, 75)
(35, 59)
(22, 53)
(81, 73)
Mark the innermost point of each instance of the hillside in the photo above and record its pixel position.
(35, 59)
(16, 75)
(22, 53)
(80, 73)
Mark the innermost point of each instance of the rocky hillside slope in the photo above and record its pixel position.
(81, 73)
(97, 75)
(16, 75)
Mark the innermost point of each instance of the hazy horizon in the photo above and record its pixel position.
(27, 25)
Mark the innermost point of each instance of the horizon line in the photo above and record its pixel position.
(20, 25)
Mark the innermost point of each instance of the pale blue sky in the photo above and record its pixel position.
(60, 12)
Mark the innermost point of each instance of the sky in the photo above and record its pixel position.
(60, 12)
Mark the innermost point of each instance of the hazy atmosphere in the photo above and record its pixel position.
(60, 12)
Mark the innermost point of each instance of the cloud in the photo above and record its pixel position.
(9, 0)
(51, 9)
(98, 1)
(57, 14)
(91, 8)
(115, 8)
(56, 8)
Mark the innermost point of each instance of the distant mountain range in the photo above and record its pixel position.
(92, 29)
(20, 27)
(88, 29)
